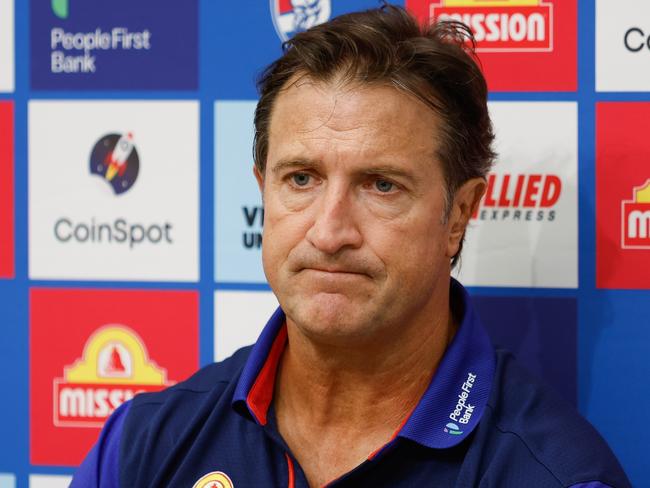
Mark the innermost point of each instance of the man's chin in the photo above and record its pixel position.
(331, 318)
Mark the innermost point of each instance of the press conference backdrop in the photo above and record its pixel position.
(130, 223)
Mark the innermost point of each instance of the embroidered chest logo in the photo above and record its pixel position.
(463, 410)
(214, 479)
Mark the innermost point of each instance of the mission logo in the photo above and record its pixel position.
(523, 45)
(93, 350)
(635, 218)
(502, 25)
(113, 368)
(622, 196)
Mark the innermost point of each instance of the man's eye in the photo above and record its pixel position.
(300, 179)
(384, 186)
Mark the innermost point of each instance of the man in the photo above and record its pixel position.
(372, 145)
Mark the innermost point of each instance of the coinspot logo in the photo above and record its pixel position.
(115, 158)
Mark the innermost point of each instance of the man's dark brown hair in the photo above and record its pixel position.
(435, 63)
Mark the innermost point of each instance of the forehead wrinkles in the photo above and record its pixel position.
(375, 116)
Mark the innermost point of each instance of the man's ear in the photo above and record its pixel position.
(260, 179)
(466, 201)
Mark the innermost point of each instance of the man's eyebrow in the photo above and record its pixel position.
(382, 170)
(389, 171)
(294, 163)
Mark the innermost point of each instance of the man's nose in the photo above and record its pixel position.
(335, 221)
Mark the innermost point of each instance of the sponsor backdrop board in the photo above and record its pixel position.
(239, 215)
(524, 45)
(7, 480)
(525, 232)
(117, 343)
(6, 189)
(91, 44)
(6, 45)
(623, 45)
(113, 191)
(131, 225)
(622, 196)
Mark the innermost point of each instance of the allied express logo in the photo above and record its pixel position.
(115, 158)
(113, 368)
(520, 197)
(293, 16)
(502, 25)
(635, 216)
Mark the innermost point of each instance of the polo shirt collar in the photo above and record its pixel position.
(450, 408)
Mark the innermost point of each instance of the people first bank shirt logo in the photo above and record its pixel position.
(93, 349)
(113, 368)
(523, 45)
(293, 16)
(463, 410)
(114, 204)
(525, 229)
(92, 44)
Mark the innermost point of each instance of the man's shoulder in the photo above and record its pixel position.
(204, 381)
(181, 402)
(528, 416)
(160, 428)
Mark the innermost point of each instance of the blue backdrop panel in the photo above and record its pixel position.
(592, 345)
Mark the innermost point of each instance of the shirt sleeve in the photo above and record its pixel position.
(101, 467)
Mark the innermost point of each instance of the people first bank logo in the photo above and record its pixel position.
(523, 45)
(293, 16)
(113, 368)
(91, 350)
(502, 25)
(148, 44)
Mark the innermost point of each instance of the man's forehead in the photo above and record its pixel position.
(308, 107)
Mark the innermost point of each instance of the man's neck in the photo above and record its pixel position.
(336, 405)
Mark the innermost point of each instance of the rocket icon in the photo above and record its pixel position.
(117, 160)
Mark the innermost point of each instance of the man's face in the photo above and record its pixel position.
(355, 239)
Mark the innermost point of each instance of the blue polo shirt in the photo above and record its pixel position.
(483, 421)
